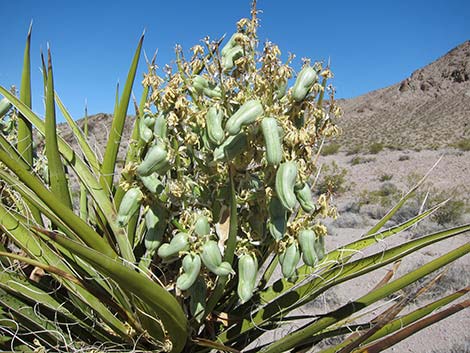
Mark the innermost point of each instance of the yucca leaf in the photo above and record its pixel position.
(102, 202)
(83, 190)
(58, 180)
(414, 328)
(295, 338)
(25, 130)
(15, 227)
(117, 126)
(323, 281)
(153, 295)
(402, 321)
(27, 319)
(401, 202)
(88, 235)
(88, 153)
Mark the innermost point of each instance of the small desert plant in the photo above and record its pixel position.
(376, 147)
(360, 160)
(463, 145)
(385, 177)
(330, 149)
(354, 150)
(178, 252)
(333, 179)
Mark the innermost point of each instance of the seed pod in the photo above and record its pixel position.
(228, 60)
(305, 80)
(245, 115)
(277, 219)
(320, 247)
(179, 243)
(231, 147)
(155, 221)
(247, 271)
(130, 203)
(305, 197)
(215, 133)
(5, 106)
(160, 127)
(272, 140)
(197, 301)
(202, 227)
(145, 127)
(286, 176)
(289, 260)
(154, 161)
(212, 258)
(232, 43)
(306, 240)
(203, 86)
(191, 267)
(152, 183)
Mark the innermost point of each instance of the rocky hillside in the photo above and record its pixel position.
(429, 109)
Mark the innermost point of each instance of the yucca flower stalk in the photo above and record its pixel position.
(196, 245)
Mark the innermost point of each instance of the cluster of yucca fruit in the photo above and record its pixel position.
(179, 253)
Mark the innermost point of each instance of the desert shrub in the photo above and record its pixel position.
(361, 160)
(376, 147)
(385, 177)
(348, 220)
(332, 179)
(463, 145)
(354, 150)
(330, 149)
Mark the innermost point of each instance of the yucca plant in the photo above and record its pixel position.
(196, 244)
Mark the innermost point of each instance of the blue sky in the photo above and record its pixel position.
(371, 44)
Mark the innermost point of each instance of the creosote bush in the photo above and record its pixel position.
(179, 252)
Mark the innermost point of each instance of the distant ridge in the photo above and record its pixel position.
(429, 109)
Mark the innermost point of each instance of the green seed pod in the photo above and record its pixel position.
(286, 176)
(191, 268)
(145, 128)
(155, 221)
(154, 161)
(5, 106)
(245, 115)
(320, 247)
(247, 271)
(130, 203)
(203, 86)
(212, 258)
(306, 240)
(197, 301)
(289, 260)
(231, 147)
(232, 43)
(228, 60)
(272, 140)
(179, 243)
(305, 80)
(152, 183)
(160, 127)
(215, 132)
(202, 227)
(305, 197)
(277, 223)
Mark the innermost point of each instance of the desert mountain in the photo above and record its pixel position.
(429, 109)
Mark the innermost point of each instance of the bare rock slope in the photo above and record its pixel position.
(429, 109)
